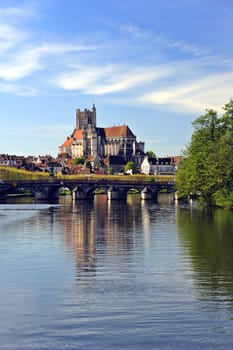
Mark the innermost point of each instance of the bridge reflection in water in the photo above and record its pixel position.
(85, 189)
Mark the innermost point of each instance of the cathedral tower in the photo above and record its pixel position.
(86, 119)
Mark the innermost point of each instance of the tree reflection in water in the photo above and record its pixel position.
(208, 236)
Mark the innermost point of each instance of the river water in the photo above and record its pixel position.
(115, 275)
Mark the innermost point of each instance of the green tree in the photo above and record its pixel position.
(109, 170)
(79, 160)
(129, 166)
(151, 154)
(224, 195)
(207, 166)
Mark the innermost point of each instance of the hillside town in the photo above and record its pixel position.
(91, 149)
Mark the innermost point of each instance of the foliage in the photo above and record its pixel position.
(109, 170)
(121, 178)
(133, 191)
(151, 154)
(79, 160)
(65, 192)
(151, 179)
(129, 166)
(207, 165)
(99, 191)
(13, 174)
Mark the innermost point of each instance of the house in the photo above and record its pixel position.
(116, 163)
(11, 160)
(95, 162)
(158, 166)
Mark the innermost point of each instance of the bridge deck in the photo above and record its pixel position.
(84, 187)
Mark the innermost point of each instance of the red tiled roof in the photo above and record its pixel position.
(176, 159)
(67, 142)
(77, 134)
(91, 158)
(117, 131)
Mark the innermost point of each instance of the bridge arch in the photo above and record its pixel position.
(123, 192)
(88, 192)
(85, 188)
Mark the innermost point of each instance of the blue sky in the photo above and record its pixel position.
(153, 65)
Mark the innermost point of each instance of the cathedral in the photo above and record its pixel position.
(88, 140)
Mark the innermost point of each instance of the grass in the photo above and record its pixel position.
(13, 174)
(128, 178)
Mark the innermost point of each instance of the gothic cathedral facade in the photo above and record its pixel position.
(88, 140)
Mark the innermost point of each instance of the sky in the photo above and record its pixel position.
(154, 65)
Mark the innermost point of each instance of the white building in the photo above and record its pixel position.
(158, 166)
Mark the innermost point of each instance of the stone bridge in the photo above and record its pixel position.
(84, 189)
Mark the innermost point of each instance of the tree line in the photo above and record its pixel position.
(206, 169)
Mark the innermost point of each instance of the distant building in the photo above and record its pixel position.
(117, 163)
(158, 166)
(11, 160)
(88, 140)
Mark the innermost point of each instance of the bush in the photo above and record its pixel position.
(80, 160)
(13, 174)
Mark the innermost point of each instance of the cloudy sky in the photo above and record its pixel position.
(153, 65)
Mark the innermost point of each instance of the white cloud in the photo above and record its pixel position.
(189, 86)
(19, 90)
(178, 85)
(21, 66)
(15, 11)
(154, 38)
(129, 79)
(28, 60)
(109, 79)
(9, 37)
(21, 53)
(187, 48)
(197, 95)
(61, 48)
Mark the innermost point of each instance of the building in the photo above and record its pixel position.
(158, 166)
(88, 140)
(12, 160)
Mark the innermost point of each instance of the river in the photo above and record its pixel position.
(115, 275)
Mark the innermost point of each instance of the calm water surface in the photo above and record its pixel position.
(115, 275)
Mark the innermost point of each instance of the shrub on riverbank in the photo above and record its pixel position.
(13, 174)
(128, 178)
